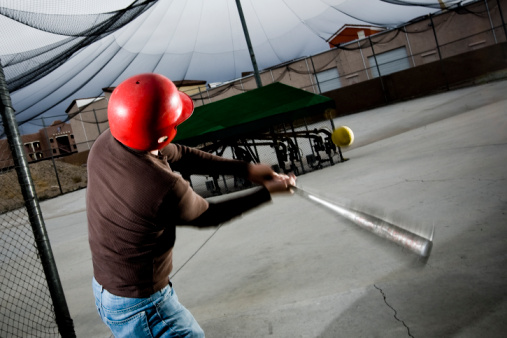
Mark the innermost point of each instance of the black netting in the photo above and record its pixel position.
(24, 68)
(26, 307)
(430, 4)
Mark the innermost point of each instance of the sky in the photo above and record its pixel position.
(182, 39)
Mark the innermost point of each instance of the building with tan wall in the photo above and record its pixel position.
(424, 41)
(88, 118)
(431, 38)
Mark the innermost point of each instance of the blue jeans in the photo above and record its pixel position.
(160, 315)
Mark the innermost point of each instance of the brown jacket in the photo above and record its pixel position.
(135, 201)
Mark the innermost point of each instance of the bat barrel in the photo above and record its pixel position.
(413, 242)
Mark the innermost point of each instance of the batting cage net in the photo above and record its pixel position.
(32, 301)
(80, 30)
(26, 307)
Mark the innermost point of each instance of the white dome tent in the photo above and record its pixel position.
(54, 52)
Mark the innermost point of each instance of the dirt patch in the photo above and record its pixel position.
(48, 182)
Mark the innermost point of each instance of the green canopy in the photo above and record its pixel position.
(249, 112)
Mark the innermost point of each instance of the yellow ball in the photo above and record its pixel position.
(342, 136)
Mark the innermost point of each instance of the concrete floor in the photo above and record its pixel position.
(293, 269)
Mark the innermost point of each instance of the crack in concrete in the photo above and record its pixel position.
(392, 308)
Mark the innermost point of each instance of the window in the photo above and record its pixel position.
(389, 62)
(328, 80)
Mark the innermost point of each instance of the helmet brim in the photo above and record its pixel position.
(187, 107)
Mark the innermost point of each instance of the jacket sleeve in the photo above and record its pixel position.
(191, 161)
(223, 211)
(181, 204)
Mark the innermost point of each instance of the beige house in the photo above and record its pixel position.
(88, 118)
(57, 140)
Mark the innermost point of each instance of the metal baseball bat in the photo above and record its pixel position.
(413, 242)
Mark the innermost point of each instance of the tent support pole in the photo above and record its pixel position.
(249, 43)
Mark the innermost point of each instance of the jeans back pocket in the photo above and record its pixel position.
(134, 326)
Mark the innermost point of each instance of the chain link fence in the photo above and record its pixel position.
(26, 307)
(32, 302)
(53, 172)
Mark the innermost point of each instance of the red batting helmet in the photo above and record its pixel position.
(144, 111)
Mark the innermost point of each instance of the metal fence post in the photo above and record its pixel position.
(200, 94)
(52, 157)
(436, 37)
(491, 21)
(378, 70)
(97, 121)
(62, 314)
(364, 62)
(501, 17)
(315, 72)
(439, 53)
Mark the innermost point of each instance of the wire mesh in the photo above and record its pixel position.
(23, 68)
(49, 166)
(26, 307)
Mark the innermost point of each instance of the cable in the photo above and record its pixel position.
(195, 253)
